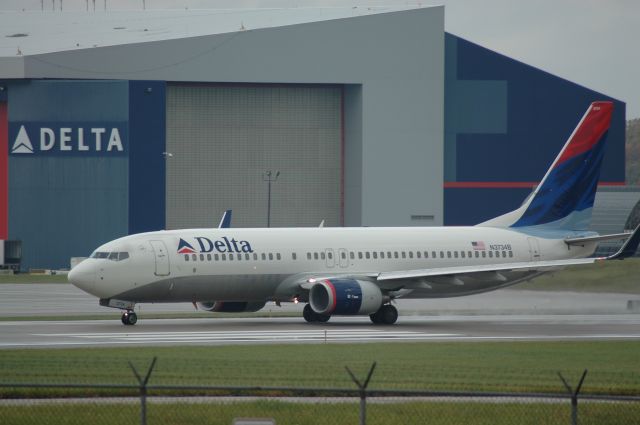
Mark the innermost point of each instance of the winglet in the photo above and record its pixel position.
(629, 248)
(225, 221)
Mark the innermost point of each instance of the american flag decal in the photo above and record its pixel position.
(478, 245)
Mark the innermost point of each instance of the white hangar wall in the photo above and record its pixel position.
(391, 67)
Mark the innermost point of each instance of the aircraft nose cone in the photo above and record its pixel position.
(82, 277)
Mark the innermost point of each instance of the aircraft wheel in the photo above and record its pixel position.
(308, 314)
(388, 314)
(375, 317)
(322, 318)
(129, 318)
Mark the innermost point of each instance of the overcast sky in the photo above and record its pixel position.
(595, 43)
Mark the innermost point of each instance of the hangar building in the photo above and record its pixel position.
(124, 122)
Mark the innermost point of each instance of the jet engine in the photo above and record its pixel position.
(231, 306)
(345, 297)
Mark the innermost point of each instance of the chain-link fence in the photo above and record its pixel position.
(144, 403)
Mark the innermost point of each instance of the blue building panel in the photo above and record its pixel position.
(505, 122)
(147, 176)
(65, 205)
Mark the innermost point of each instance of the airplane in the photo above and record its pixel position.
(361, 271)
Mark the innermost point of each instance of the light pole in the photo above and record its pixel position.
(269, 177)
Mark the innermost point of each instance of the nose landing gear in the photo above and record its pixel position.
(129, 317)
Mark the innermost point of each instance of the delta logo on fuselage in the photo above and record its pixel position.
(222, 245)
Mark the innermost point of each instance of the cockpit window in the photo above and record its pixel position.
(113, 256)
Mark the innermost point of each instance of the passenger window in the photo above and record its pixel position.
(239, 257)
(490, 254)
(315, 255)
(263, 256)
(246, 257)
(270, 257)
(410, 254)
(462, 254)
(404, 254)
(367, 254)
(330, 255)
(208, 257)
(343, 255)
(510, 254)
(441, 254)
(382, 254)
(389, 254)
(255, 256)
(375, 255)
(477, 254)
(216, 257)
(322, 255)
(426, 254)
(360, 255)
(352, 255)
(230, 257)
(278, 256)
(186, 257)
(448, 254)
(470, 254)
(395, 254)
(308, 256)
(484, 254)
(293, 255)
(504, 254)
(223, 257)
(194, 257)
(433, 254)
(418, 254)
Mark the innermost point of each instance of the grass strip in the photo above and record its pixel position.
(452, 366)
(285, 413)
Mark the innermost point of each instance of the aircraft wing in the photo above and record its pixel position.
(486, 268)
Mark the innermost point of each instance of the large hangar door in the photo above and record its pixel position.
(223, 138)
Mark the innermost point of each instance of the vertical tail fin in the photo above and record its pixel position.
(564, 198)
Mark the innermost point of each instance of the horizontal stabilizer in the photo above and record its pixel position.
(597, 238)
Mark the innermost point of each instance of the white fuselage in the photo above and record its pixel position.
(266, 264)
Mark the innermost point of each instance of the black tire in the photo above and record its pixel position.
(322, 318)
(308, 314)
(132, 318)
(124, 319)
(375, 317)
(388, 314)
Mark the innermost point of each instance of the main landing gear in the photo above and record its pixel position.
(386, 315)
(311, 316)
(129, 317)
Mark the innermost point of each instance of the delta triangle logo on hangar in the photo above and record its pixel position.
(22, 143)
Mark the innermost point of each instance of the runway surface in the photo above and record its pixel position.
(159, 332)
(501, 315)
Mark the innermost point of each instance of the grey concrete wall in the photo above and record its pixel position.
(396, 57)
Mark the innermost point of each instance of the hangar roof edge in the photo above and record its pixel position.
(35, 32)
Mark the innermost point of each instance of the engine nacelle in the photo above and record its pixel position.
(231, 306)
(345, 297)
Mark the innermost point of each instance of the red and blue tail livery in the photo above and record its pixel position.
(564, 198)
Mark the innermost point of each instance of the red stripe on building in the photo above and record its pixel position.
(506, 185)
(4, 172)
